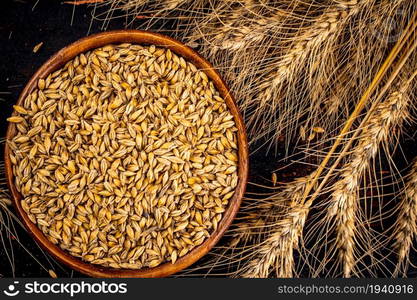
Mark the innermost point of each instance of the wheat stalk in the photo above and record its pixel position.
(310, 39)
(345, 202)
(407, 38)
(406, 225)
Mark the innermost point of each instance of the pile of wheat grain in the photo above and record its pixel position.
(126, 157)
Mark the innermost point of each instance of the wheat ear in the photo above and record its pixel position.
(310, 42)
(345, 202)
(172, 4)
(236, 36)
(221, 25)
(244, 230)
(6, 201)
(406, 224)
(276, 252)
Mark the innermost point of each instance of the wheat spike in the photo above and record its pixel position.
(326, 25)
(135, 5)
(228, 27)
(5, 201)
(276, 251)
(349, 79)
(245, 229)
(344, 203)
(406, 224)
(236, 33)
(306, 49)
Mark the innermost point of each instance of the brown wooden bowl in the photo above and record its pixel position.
(138, 37)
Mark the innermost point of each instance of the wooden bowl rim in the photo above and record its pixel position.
(135, 37)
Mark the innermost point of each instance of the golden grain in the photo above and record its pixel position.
(126, 157)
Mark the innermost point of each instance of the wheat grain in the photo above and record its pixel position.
(52, 274)
(130, 165)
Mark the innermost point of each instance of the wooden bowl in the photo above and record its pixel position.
(137, 37)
